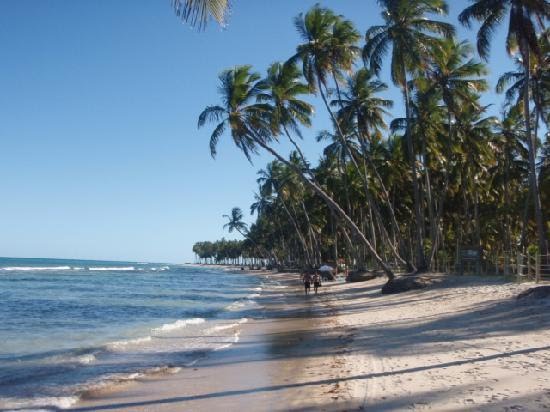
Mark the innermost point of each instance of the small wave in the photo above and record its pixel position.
(182, 323)
(111, 268)
(86, 359)
(29, 268)
(160, 269)
(124, 343)
(228, 326)
(114, 379)
(58, 402)
(236, 338)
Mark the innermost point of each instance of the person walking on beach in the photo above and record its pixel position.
(316, 282)
(307, 282)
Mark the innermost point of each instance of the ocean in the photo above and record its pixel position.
(71, 326)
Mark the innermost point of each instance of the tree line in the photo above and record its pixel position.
(396, 192)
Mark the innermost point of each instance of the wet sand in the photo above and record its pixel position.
(291, 358)
(465, 344)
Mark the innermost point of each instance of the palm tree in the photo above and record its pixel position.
(236, 222)
(454, 77)
(329, 49)
(239, 89)
(361, 110)
(410, 34)
(280, 92)
(198, 12)
(523, 18)
(250, 127)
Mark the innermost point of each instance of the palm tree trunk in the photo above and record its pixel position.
(429, 202)
(298, 232)
(532, 146)
(370, 163)
(507, 229)
(420, 258)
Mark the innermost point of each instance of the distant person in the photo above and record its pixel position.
(316, 282)
(307, 282)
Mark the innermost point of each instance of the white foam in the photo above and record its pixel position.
(227, 326)
(182, 323)
(111, 268)
(227, 345)
(29, 268)
(160, 269)
(124, 343)
(60, 402)
(86, 359)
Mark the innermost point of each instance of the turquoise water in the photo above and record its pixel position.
(67, 326)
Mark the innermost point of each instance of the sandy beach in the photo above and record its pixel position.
(463, 344)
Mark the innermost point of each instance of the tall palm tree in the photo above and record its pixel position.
(249, 129)
(454, 77)
(329, 49)
(410, 33)
(239, 88)
(523, 18)
(198, 12)
(362, 112)
(281, 91)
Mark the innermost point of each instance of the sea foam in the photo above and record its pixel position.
(182, 323)
(29, 268)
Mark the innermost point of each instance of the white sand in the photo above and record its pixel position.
(465, 344)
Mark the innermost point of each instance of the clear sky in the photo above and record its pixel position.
(100, 156)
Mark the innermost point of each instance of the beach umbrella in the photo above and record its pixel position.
(326, 268)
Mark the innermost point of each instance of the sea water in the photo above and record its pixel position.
(70, 326)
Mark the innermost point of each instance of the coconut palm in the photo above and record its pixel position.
(198, 12)
(410, 34)
(239, 89)
(524, 17)
(362, 112)
(249, 128)
(280, 92)
(329, 49)
(236, 222)
(453, 76)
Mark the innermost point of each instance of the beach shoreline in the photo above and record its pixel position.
(465, 344)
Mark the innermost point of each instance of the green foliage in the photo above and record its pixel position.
(445, 175)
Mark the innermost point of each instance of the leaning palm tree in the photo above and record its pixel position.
(280, 92)
(250, 128)
(198, 12)
(235, 222)
(523, 18)
(411, 34)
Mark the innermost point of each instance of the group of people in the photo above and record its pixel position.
(308, 279)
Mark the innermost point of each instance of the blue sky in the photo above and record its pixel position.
(100, 156)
